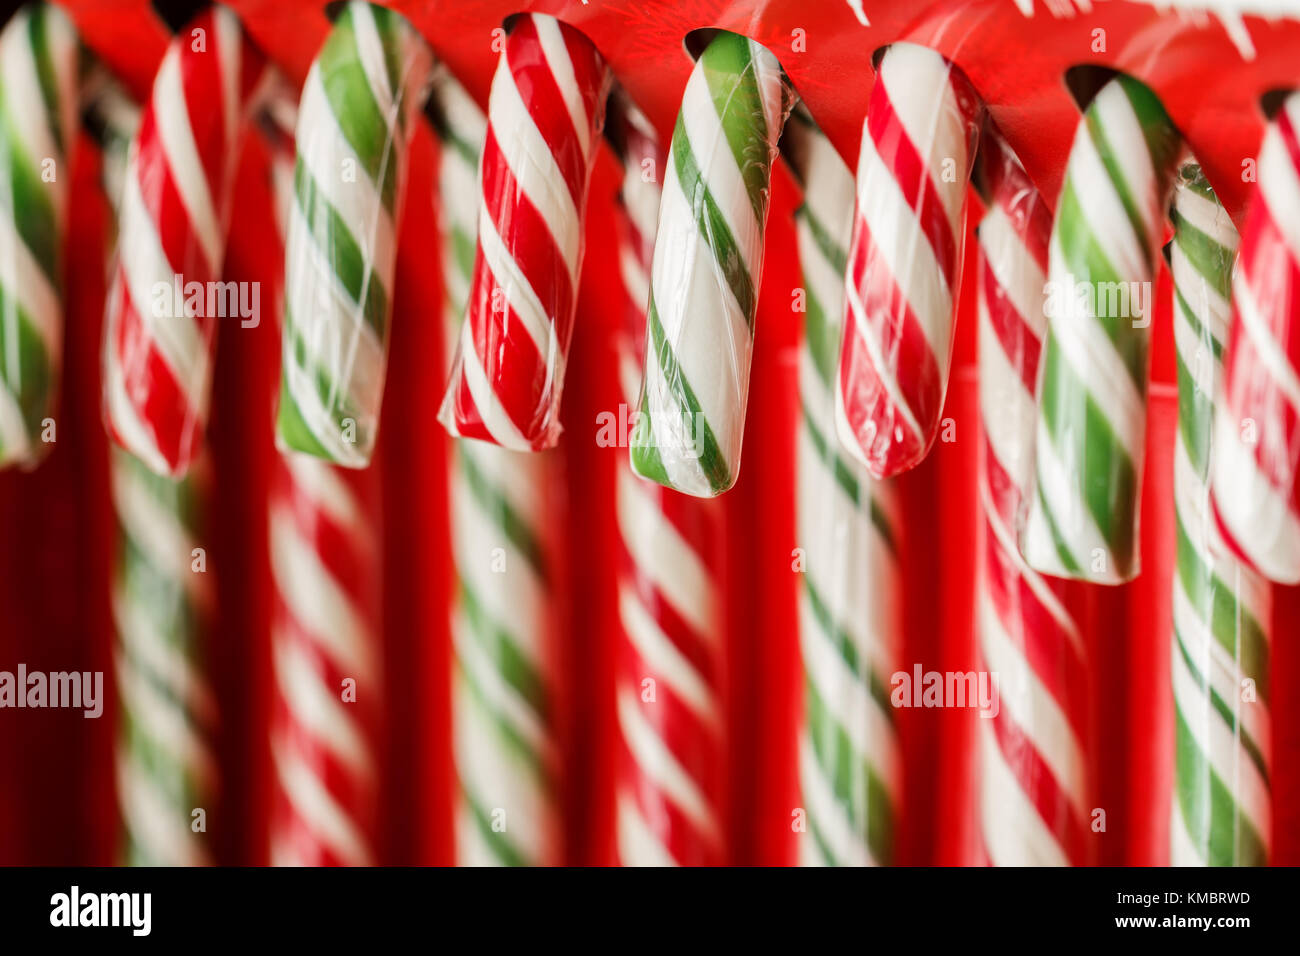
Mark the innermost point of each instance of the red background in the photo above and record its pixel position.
(57, 803)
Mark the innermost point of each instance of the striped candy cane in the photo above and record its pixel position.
(1221, 610)
(544, 118)
(354, 123)
(849, 767)
(668, 696)
(503, 618)
(175, 209)
(1256, 491)
(1092, 401)
(1034, 786)
(324, 647)
(161, 601)
(904, 266)
(38, 109)
(707, 264)
(112, 118)
(325, 624)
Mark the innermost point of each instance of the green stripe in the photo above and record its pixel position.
(731, 76)
(846, 478)
(857, 786)
(37, 30)
(501, 846)
(712, 224)
(647, 462)
(1096, 125)
(1211, 260)
(292, 427)
(823, 845)
(23, 353)
(842, 641)
(1213, 819)
(33, 212)
(333, 236)
(1163, 142)
(509, 662)
(495, 504)
(1195, 411)
(509, 735)
(354, 107)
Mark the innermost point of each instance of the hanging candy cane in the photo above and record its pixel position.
(161, 602)
(544, 118)
(38, 109)
(1222, 611)
(175, 209)
(904, 268)
(1034, 783)
(1092, 400)
(325, 624)
(849, 767)
(667, 693)
(503, 620)
(1256, 492)
(354, 123)
(707, 265)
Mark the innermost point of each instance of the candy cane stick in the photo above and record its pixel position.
(1092, 401)
(325, 626)
(354, 123)
(707, 264)
(38, 109)
(544, 119)
(1222, 611)
(175, 209)
(1034, 785)
(503, 620)
(918, 144)
(1257, 438)
(849, 767)
(668, 689)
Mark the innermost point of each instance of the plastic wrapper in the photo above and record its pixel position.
(848, 527)
(1083, 517)
(708, 261)
(354, 125)
(1033, 724)
(904, 265)
(545, 114)
(38, 49)
(1256, 477)
(168, 296)
(1222, 611)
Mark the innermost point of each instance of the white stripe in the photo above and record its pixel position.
(551, 40)
(826, 812)
(517, 290)
(664, 661)
(637, 843)
(1014, 833)
(319, 810)
(26, 288)
(317, 708)
(161, 830)
(498, 423)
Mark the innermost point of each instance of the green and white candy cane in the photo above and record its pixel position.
(502, 617)
(708, 260)
(848, 750)
(38, 114)
(1221, 610)
(165, 765)
(354, 122)
(1083, 517)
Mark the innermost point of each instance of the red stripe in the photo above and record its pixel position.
(201, 73)
(1017, 340)
(698, 650)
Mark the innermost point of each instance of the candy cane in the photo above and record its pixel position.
(1092, 401)
(38, 109)
(904, 267)
(325, 625)
(707, 264)
(1034, 784)
(354, 123)
(1222, 611)
(667, 693)
(849, 767)
(175, 209)
(544, 118)
(1256, 495)
(503, 619)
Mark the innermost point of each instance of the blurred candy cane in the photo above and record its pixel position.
(667, 693)
(503, 508)
(904, 266)
(544, 119)
(849, 767)
(1256, 466)
(38, 110)
(1034, 783)
(175, 211)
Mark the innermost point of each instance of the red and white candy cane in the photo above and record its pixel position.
(1255, 470)
(667, 693)
(545, 114)
(175, 209)
(1034, 787)
(918, 144)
